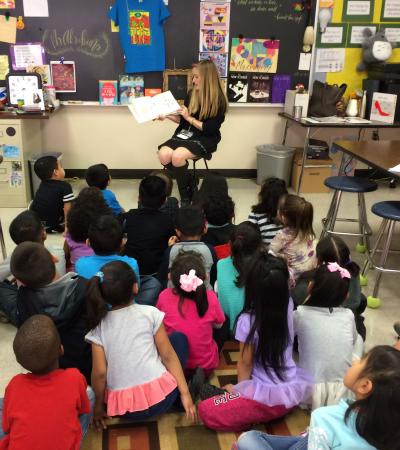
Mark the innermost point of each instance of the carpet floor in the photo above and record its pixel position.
(174, 432)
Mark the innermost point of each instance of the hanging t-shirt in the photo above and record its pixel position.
(141, 33)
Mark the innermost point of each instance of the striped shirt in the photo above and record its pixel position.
(267, 226)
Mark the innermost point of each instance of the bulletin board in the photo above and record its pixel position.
(80, 31)
(353, 52)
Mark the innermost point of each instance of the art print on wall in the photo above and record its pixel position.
(219, 59)
(214, 15)
(254, 55)
(63, 75)
(214, 41)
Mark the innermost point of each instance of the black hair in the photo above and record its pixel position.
(164, 175)
(267, 302)
(45, 166)
(246, 244)
(190, 221)
(378, 414)
(184, 262)
(334, 249)
(27, 227)
(32, 264)
(105, 235)
(152, 192)
(329, 289)
(298, 215)
(114, 287)
(37, 345)
(85, 210)
(271, 191)
(214, 184)
(98, 176)
(219, 211)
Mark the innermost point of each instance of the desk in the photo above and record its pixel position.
(316, 126)
(380, 155)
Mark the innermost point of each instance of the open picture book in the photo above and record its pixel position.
(145, 109)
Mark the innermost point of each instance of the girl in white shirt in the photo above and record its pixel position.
(136, 372)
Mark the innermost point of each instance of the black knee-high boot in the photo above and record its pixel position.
(184, 182)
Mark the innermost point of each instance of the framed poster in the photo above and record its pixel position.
(358, 10)
(63, 75)
(26, 54)
(178, 82)
(390, 11)
(335, 35)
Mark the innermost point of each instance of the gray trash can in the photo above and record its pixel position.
(274, 161)
(35, 180)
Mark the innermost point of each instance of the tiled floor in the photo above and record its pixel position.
(244, 192)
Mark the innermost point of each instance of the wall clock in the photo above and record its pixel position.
(23, 86)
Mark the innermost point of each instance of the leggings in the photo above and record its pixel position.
(256, 440)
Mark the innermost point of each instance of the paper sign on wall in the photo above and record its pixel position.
(330, 60)
(391, 9)
(36, 8)
(4, 67)
(8, 29)
(356, 33)
(383, 107)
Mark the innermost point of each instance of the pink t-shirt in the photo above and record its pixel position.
(203, 350)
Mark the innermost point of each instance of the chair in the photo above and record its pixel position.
(390, 213)
(357, 186)
(195, 178)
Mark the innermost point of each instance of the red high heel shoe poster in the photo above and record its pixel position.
(383, 107)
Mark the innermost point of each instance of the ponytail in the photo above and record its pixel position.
(112, 286)
(298, 214)
(334, 249)
(191, 264)
(95, 304)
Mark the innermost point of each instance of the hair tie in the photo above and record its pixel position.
(190, 282)
(100, 275)
(334, 267)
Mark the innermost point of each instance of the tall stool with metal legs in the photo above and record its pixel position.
(390, 213)
(355, 185)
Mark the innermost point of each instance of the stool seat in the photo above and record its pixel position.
(387, 210)
(351, 184)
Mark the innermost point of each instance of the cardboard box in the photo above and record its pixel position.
(313, 177)
(293, 98)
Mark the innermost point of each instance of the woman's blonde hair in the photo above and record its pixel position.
(210, 98)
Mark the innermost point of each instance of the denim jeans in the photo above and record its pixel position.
(8, 301)
(257, 440)
(149, 289)
(180, 344)
(84, 419)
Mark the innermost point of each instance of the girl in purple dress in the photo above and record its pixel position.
(269, 383)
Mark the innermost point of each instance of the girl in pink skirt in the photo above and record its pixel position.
(269, 383)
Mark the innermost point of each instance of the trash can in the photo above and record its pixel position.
(274, 161)
(34, 179)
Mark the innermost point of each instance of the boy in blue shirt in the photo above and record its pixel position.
(99, 176)
(105, 238)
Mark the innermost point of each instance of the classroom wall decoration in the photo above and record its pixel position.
(254, 55)
(80, 31)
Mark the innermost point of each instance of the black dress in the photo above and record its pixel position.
(202, 142)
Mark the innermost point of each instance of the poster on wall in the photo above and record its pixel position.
(237, 87)
(63, 75)
(358, 10)
(254, 55)
(214, 41)
(390, 11)
(214, 15)
(219, 59)
(383, 107)
(334, 36)
(356, 36)
(7, 4)
(25, 54)
(392, 33)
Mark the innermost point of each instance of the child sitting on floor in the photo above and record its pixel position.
(171, 204)
(87, 208)
(148, 229)
(49, 407)
(42, 291)
(327, 334)
(246, 244)
(137, 369)
(52, 200)
(264, 214)
(190, 227)
(334, 249)
(99, 176)
(269, 383)
(296, 241)
(192, 310)
(370, 422)
(28, 227)
(105, 238)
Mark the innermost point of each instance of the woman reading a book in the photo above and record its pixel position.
(199, 120)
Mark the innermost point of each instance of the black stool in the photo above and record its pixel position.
(205, 158)
(390, 213)
(355, 185)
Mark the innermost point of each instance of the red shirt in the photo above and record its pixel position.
(40, 412)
